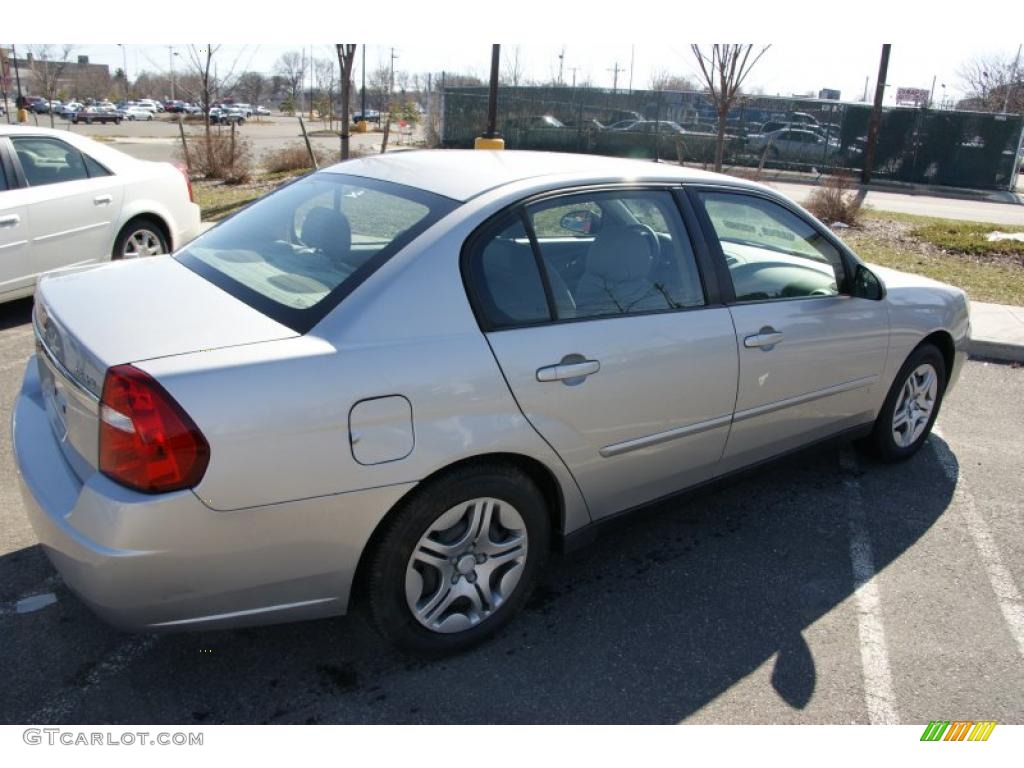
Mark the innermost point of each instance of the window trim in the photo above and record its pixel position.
(848, 259)
(471, 245)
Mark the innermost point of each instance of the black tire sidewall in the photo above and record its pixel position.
(883, 442)
(385, 582)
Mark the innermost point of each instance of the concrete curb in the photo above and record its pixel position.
(996, 350)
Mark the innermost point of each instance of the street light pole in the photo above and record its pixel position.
(124, 67)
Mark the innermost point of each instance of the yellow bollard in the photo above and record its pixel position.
(22, 115)
(483, 142)
(362, 127)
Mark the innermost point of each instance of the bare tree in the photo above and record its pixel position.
(993, 82)
(324, 77)
(48, 68)
(346, 58)
(292, 67)
(663, 81)
(513, 74)
(211, 84)
(252, 87)
(723, 69)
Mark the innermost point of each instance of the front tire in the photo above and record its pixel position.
(457, 559)
(911, 407)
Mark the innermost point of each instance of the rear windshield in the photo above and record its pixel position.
(298, 252)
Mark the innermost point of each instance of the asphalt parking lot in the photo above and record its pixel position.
(159, 139)
(737, 606)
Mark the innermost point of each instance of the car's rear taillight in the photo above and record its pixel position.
(188, 181)
(147, 442)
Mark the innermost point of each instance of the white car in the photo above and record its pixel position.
(66, 200)
(137, 112)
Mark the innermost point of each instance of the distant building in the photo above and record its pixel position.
(829, 94)
(77, 76)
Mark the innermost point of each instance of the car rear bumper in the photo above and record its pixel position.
(169, 562)
(188, 227)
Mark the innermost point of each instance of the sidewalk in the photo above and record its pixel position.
(997, 332)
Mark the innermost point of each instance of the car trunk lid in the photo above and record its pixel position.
(87, 320)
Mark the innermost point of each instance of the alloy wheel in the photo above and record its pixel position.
(915, 405)
(142, 242)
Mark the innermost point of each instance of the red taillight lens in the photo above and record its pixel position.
(147, 441)
(188, 181)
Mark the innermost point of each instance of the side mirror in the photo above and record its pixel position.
(866, 284)
(581, 222)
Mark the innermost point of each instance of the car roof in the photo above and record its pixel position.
(461, 174)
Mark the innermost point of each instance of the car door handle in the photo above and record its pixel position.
(103, 199)
(563, 371)
(766, 337)
(11, 220)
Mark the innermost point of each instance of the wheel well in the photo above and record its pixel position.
(535, 470)
(153, 218)
(944, 342)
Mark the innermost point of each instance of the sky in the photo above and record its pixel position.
(786, 68)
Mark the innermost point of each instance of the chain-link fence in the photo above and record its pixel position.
(945, 147)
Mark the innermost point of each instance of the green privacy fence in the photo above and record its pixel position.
(944, 147)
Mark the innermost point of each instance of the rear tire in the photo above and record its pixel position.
(140, 237)
(910, 408)
(457, 559)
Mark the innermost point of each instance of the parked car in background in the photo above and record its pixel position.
(37, 104)
(371, 116)
(648, 126)
(67, 200)
(404, 379)
(794, 144)
(90, 115)
(70, 108)
(151, 105)
(226, 116)
(262, 111)
(137, 112)
(245, 109)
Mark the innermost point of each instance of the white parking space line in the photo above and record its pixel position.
(878, 691)
(61, 706)
(1007, 595)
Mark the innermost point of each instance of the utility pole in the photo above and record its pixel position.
(615, 77)
(876, 115)
(1013, 81)
(170, 61)
(311, 99)
(573, 70)
(362, 112)
(491, 138)
(632, 58)
(865, 96)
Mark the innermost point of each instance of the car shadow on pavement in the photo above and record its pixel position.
(649, 624)
(15, 313)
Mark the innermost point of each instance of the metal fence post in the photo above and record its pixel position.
(309, 146)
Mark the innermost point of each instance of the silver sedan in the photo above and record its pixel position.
(403, 380)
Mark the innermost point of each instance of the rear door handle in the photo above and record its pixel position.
(568, 371)
(103, 199)
(11, 220)
(766, 337)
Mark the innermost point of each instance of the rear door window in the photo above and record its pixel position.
(45, 160)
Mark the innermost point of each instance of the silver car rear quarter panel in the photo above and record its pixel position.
(169, 561)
